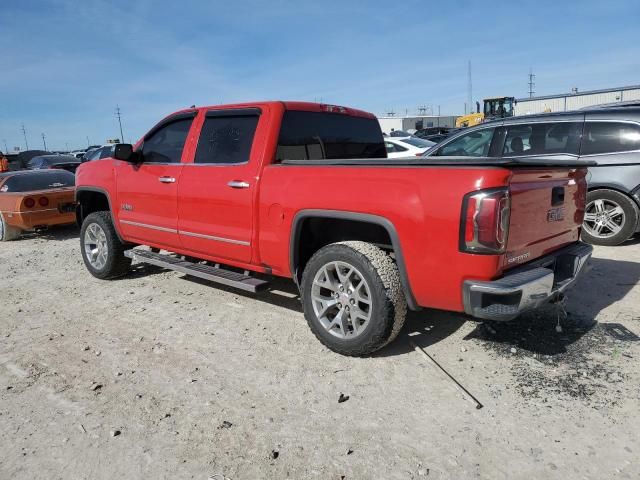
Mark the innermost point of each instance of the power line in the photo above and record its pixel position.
(44, 142)
(532, 83)
(119, 122)
(24, 132)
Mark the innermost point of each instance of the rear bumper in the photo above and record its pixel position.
(528, 287)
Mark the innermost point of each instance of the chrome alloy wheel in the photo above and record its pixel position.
(95, 246)
(341, 300)
(603, 218)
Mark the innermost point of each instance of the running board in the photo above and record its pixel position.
(206, 272)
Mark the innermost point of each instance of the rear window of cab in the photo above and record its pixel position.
(319, 136)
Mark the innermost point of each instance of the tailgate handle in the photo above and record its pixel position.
(557, 196)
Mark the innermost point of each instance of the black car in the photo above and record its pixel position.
(609, 136)
(436, 134)
(63, 162)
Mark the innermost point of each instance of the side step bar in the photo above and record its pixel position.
(207, 272)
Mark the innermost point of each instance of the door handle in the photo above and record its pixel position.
(167, 180)
(238, 184)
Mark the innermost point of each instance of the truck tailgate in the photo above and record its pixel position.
(547, 209)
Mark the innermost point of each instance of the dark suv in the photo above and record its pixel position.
(608, 136)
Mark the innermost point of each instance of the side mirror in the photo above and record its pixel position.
(124, 152)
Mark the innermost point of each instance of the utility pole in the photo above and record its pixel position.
(88, 144)
(531, 83)
(44, 142)
(24, 132)
(119, 122)
(469, 90)
(6, 149)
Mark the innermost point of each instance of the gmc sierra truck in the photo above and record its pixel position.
(237, 193)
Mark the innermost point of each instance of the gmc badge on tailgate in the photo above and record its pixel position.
(555, 214)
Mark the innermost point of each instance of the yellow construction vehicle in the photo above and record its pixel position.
(496, 107)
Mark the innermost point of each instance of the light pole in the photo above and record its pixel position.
(44, 142)
(119, 122)
(24, 132)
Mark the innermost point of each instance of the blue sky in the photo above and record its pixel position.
(66, 64)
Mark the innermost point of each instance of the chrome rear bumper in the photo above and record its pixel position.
(528, 287)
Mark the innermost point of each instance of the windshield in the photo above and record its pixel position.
(418, 142)
(498, 107)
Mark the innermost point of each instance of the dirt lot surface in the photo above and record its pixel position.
(159, 376)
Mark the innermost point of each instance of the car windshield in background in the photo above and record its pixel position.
(33, 181)
(319, 136)
(418, 142)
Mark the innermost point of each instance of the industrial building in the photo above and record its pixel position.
(409, 122)
(575, 100)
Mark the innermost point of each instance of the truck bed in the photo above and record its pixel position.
(447, 161)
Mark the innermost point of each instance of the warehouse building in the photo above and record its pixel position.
(408, 122)
(576, 100)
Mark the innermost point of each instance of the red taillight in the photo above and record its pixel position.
(29, 203)
(43, 201)
(485, 221)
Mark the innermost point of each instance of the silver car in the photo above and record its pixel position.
(609, 136)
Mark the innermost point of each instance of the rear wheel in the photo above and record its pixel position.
(102, 250)
(610, 218)
(353, 299)
(7, 232)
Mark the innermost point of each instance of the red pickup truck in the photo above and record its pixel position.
(240, 192)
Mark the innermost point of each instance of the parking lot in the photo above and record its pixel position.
(157, 375)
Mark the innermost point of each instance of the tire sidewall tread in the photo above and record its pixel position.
(117, 264)
(383, 277)
(631, 213)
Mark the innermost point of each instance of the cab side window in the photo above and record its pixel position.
(165, 144)
(226, 139)
(610, 137)
(542, 139)
(472, 144)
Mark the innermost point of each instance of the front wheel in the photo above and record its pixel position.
(353, 299)
(102, 250)
(610, 218)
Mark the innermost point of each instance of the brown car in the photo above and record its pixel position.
(31, 200)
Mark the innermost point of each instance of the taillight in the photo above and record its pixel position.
(43, 201)
(29, 203)
(485, 221)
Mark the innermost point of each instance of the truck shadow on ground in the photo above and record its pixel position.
(607, 282)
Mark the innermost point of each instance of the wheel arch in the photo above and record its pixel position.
(298, 259)
(94, 199)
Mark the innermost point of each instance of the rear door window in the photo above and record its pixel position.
(610, 137)
(165, 144)
(226, 138)
(543, 139)
(318, 136)
(472, 144)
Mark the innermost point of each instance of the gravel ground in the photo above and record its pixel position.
(160, 376)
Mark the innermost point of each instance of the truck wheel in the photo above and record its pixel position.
(353, 298)
(7, 232)
(610, 218)
(102, 250)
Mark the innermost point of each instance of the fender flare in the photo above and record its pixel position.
(106, 194)
(296, 228)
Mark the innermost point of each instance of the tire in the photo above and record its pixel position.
(372, 289)
(98, 230)
(7, 232)
(610, 218)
